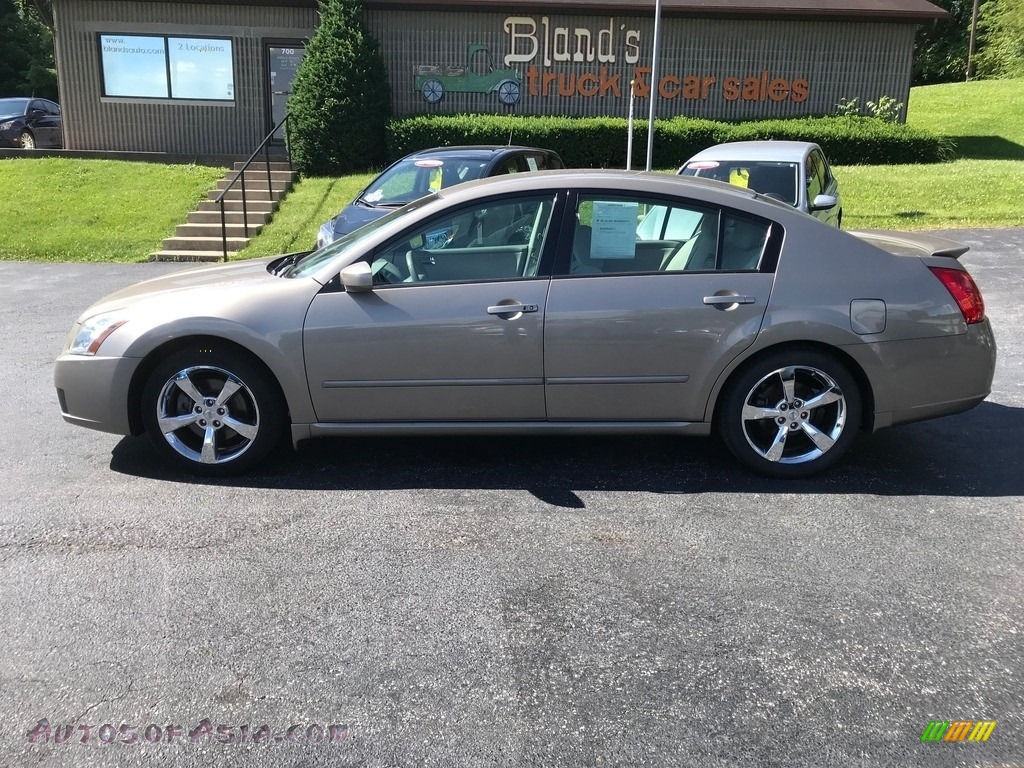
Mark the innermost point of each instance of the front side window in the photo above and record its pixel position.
(167, 67)
(815, 177)
(492, 240)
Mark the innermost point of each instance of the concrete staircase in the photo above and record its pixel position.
(200, 237)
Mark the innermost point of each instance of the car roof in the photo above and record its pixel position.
(606, 180)
(476, 152)
(778, 151)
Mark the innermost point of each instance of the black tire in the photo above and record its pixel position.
(28, 141)
(242, 429)
(768, 419)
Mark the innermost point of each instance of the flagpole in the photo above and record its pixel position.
(654, 83)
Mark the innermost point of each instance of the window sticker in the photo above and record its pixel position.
(613, 232)
(740, 177)
(531, 161)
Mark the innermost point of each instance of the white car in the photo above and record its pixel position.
(795, 172)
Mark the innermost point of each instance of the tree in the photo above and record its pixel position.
(1002, 39)
(26, 53)
(940, 49)
(41, 9)
(341, 100)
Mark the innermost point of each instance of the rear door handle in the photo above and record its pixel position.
(511, 309)
(716, 301)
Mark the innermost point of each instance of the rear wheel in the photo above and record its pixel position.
(790, 414)
(212, 411)
(28, 141)
(508, 92)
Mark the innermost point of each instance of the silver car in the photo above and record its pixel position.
(794, 172)
(562, 302)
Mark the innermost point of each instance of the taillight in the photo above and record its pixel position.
(962, 288)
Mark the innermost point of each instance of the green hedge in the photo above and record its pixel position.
(600, 142)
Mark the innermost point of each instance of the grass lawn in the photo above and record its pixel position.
(984, 188)
(66, 209)
(312, 202)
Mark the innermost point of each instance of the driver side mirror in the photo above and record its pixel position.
(357, 278)
(823, 202)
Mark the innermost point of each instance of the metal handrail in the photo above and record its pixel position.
(264, 146)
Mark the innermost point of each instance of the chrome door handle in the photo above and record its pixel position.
(511, 309)
(715, 301)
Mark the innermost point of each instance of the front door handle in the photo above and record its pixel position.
(512, 309)
(717, 301)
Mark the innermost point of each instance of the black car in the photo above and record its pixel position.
(30, 123)
(427, 171)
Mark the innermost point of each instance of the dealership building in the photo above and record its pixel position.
(212, 77)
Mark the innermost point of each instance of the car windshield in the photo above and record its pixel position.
(13, 106)
(772, 179)
(312, 261)
(410, 179)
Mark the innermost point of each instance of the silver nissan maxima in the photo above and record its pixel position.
(563, 302)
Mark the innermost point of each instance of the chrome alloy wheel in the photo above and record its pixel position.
(794, 415)
(207, 414)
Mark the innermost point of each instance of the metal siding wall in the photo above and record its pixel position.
(839, 59)
(98, 123)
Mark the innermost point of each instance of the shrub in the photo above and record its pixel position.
(341, 101)
(600, 142)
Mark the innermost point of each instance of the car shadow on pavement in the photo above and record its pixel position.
(972, 454)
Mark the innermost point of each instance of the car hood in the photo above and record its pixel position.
(355, 215)
(195, 288)
(13, 116)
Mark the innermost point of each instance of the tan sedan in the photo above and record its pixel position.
(564, 302)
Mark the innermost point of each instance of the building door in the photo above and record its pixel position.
(282, 59)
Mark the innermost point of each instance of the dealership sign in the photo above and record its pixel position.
(550, 53)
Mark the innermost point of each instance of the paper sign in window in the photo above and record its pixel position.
(613, 230)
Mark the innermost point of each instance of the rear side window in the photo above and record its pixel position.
(616, 235)
(540, 161)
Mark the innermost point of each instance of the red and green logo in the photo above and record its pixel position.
(958, 730)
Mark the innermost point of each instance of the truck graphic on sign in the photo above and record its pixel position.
(477, 75)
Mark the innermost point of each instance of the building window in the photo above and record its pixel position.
(166, 67)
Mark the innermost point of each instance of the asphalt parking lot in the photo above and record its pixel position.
(467, 602)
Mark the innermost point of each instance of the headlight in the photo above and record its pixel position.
(6, 126)
(94, 332)
(325, 235)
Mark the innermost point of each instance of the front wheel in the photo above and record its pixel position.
(212, 411)
(508, 92)
(28, 141)
(433, 91)
(790, 414)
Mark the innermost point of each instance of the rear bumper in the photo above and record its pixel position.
(926, 378)
(93, 391)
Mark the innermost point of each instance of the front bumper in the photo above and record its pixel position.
(11, 138)
(93, 391)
